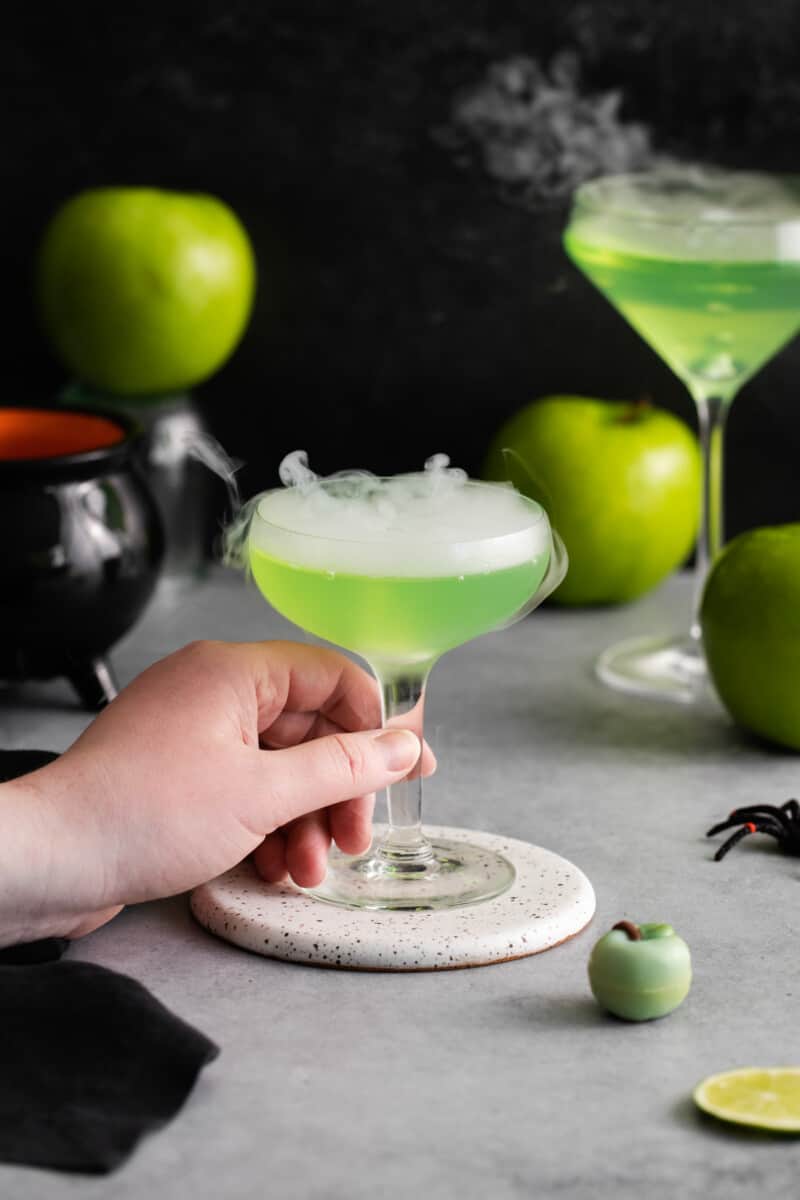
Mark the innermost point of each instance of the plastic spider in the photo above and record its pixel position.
(781, 822)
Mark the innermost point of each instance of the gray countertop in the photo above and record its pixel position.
(506, 1081)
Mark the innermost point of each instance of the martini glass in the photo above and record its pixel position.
(458, 565)
(705, 265)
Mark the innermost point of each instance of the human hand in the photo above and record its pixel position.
(216, 752)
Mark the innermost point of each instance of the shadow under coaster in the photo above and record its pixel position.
(550, 901)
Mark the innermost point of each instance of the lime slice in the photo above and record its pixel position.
(764, 1097)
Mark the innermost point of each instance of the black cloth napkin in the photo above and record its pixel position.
(90, 1061)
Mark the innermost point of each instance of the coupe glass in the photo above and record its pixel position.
(400, 605)
(705, 265)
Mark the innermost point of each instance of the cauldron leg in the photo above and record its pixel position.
(93, 680)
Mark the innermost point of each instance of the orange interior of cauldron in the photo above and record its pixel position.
(45, 433)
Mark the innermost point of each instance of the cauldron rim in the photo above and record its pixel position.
(78, 464)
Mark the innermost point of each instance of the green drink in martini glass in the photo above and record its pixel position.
(400, 570)
(705, 265)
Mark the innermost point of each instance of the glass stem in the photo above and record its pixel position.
(712, 412)
(405, 848)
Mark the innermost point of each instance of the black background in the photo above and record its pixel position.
(405, 306)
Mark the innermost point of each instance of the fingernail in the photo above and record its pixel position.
(400, 748)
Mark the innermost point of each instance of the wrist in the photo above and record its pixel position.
(47, 884)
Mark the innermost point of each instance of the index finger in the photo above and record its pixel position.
(313, 679)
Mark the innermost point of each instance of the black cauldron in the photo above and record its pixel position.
(81, 545)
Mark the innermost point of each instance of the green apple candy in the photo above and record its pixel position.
(639, 972)
(750, 619)
(620, 481)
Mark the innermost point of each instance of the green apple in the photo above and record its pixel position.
(144, 291)
(620, 481)
(639, 972)
(750, 618)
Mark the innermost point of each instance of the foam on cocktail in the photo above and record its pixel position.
(693, 214)
(430, 523)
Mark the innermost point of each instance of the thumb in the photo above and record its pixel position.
(330, 769)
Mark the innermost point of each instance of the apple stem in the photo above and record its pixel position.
(633, 931)
(636, 410)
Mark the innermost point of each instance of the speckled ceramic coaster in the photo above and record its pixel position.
(550, 901)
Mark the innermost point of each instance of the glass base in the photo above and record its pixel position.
(454, 874)
(658, 666)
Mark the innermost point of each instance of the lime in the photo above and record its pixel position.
(750, 618)
(764, 1097)
(144, 291)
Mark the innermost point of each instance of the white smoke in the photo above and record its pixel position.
(692, 211)
(212, 454)
(294, 471)
(538, 134)
(431, 521)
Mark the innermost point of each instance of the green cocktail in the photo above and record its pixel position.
(705, 265)
(396, 619)
(400, 570)
(713, 320)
